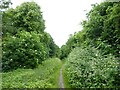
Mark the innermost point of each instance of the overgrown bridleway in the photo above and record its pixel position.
(61, 81)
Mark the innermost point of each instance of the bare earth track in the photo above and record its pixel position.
(61, 81)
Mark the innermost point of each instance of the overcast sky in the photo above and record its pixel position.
(62, 17)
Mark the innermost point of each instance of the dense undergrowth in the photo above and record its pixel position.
(92, 56)
(87, 68)
(97, 65)
(45, 76)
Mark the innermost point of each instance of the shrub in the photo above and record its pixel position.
(88, 68)
(22, 51)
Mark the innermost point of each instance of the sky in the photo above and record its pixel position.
(62, 17)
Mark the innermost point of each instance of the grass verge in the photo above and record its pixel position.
(66, 83)
(45, 76)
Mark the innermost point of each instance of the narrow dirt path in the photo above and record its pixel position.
(61, 81)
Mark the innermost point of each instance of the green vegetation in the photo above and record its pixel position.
(25, 43)
(66, 78)
(0, 49)
(93, 54)
(91, 57)
(100, 30)
(22, 51)
(87, 68)
(26, 49)
(45, 76)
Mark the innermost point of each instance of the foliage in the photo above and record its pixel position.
(7, 23)
(25, 50)
(42, 77)
(102, 27)
(111, 33)
(76, 40)
(96, 18)
(0, 51)
(25, 44)
(65, 76)
(53, 48)
(28, 17)
(100, 30)
(87, 68)
(64, 51)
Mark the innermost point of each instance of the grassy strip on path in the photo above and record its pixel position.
(65, 78)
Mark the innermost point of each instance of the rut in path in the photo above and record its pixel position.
(61, 81)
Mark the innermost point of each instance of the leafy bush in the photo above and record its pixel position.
(88, 68)
(25, 50)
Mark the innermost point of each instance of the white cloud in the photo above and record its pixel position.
(62, 17)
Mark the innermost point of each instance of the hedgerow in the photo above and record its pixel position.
(87, 68)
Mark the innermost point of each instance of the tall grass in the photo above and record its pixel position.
(45, 76)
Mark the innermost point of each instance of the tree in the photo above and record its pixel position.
(111, 33)
(100, 30)
(96, 18)
(28, 17)
(7, 23)
(102, 27)
(52, 48)
(25, 43)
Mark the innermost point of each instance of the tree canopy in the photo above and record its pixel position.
(100, 30)
(25, 43)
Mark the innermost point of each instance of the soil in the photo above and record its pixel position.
(61, 81)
